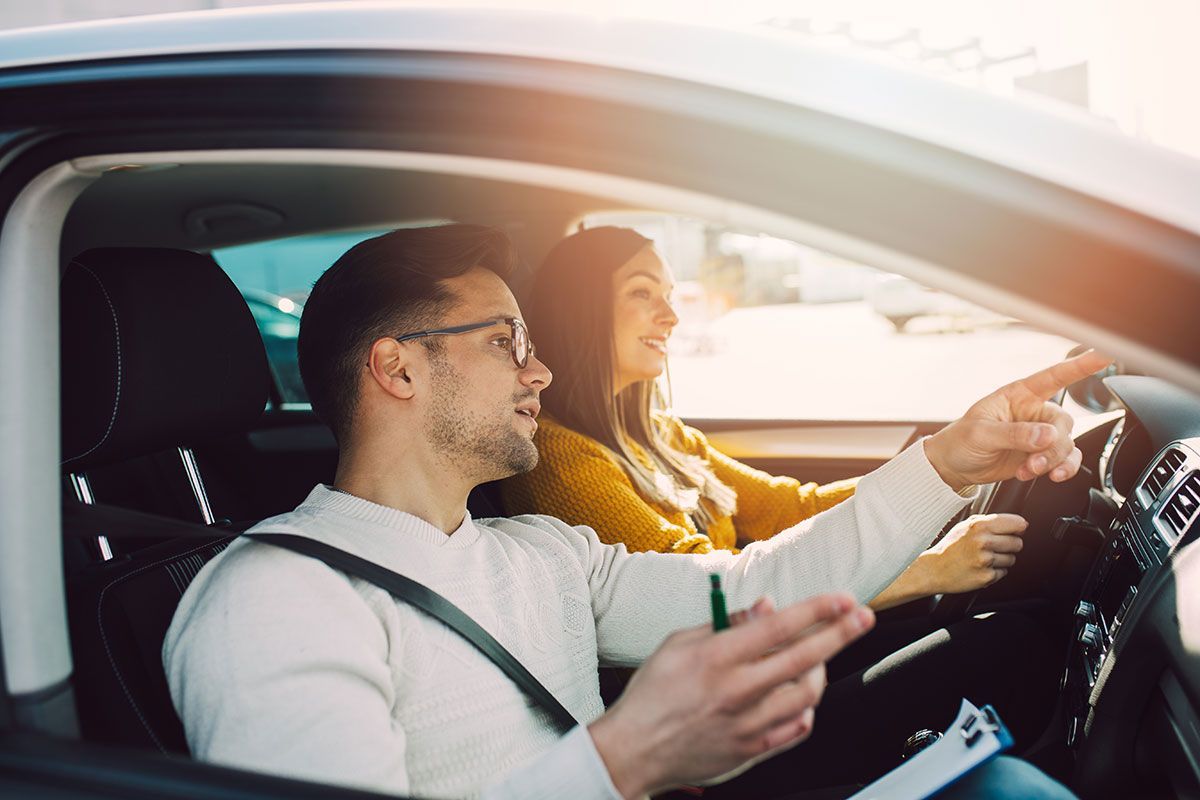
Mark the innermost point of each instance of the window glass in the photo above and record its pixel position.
(275, 278)
(773, 329)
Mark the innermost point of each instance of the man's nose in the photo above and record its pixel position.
(536, 374)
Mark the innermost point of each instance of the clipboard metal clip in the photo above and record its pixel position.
(985, 720)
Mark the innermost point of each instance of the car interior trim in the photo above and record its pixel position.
(82, 486)
(880, 442)
(33, 615)
(196, 483)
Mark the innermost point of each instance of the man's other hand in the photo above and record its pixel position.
(1015, 431)
(707, 703)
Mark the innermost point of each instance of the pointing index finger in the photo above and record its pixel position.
(1050, 381)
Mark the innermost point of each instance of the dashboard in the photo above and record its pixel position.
(1132, 682)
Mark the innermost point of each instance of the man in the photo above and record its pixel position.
(414, 353)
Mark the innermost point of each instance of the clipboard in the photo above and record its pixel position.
(976, 736)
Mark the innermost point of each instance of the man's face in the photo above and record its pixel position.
(482, 407)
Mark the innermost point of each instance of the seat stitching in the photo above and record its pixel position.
(181, 582)
(170, 567)
(104, 637)
(117, 330)
(191, 567)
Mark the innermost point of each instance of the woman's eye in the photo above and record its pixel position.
(641, 294)
(501, 341)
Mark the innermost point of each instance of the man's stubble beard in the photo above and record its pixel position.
(489, 448)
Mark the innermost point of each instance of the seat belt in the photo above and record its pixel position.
(89, 520)
(420, 596)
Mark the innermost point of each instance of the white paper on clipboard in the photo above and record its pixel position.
(976, 736)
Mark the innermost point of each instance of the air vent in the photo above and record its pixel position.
(1180, 510)
(1161, 475)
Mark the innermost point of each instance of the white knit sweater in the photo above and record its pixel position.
(280, 664)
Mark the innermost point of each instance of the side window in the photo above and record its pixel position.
(275, 278)
(773, 329)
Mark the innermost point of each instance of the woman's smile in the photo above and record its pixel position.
(655, 343)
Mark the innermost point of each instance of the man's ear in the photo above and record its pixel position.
(393, 368)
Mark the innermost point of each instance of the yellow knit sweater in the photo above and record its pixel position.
(580, 482)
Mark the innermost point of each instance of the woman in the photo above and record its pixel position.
(601, 315)
(601, 312)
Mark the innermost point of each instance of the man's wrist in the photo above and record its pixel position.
(935, 454)
(625, 768)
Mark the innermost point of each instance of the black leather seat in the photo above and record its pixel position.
(119, 614)
(158, 350)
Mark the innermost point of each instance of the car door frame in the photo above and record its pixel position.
(566, 115)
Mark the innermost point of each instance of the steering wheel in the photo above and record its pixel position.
(1006, 497)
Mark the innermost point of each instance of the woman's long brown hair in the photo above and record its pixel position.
(570, 316)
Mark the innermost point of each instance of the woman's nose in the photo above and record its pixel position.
(666, 314)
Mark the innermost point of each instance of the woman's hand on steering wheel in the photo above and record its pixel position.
(1008, 499)
(976, 553)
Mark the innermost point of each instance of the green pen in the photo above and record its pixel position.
(720, 615)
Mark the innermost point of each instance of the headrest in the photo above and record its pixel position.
(159, 349)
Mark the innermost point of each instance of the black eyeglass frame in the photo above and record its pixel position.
(518, 334)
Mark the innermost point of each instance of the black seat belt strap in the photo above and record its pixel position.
(433, 604)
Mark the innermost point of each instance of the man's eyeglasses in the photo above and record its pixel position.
(519, 345)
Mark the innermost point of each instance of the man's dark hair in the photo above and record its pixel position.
(385, 286)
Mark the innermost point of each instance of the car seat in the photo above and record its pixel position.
(158, 350)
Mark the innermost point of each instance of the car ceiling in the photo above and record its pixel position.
(245, 203)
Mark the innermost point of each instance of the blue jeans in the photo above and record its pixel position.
(1002, 778)
(1005, 778)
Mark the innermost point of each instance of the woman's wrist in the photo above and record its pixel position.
(925, 575)
(919, 579)
(914, 583)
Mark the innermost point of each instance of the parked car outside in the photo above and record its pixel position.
(278, 320)
(901, 300)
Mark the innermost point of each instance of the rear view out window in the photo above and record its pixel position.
(792, 332)
(275, 279)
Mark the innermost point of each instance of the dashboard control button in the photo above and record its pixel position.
(1091, 637)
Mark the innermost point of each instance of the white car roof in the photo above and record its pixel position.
(1057, 144)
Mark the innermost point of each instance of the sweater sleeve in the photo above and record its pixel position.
(579, 483)
(257, 690)
(859, 546)
(766, 504)
(572, 768)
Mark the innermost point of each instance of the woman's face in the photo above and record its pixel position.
(642, 318)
